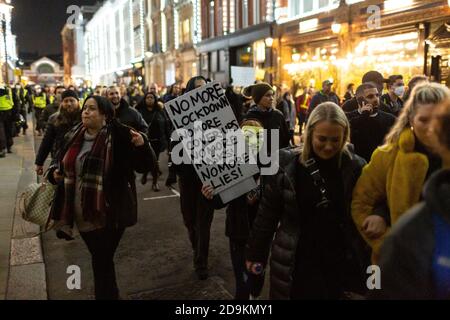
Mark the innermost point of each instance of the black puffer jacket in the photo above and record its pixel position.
(279, 212)
(407, 253)
(54, 136)
(119, 185)
(130, 117)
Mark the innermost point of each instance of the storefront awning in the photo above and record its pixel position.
(441, 37)
(236, 39)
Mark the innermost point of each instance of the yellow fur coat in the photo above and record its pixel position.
(395, 175)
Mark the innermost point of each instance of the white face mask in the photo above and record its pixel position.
(399, 91)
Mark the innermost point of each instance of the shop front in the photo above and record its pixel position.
(342, 46)
(244, 48)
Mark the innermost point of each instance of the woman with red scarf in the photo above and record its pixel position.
(96, 186)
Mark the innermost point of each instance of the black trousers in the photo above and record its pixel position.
(102, 245)
(246, 283)
(6, 139)
(197, 217)
(37, 114)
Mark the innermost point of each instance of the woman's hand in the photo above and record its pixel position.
(39, 170)
(208, 191)
(374, 227)
(57, 176)
(136, 138)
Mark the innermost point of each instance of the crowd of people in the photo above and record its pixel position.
(362, 180)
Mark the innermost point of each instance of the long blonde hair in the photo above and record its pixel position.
(423, 94)
(327, 111)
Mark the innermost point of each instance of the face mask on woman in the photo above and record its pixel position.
(399, 91)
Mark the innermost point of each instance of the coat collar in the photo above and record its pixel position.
(407, 141)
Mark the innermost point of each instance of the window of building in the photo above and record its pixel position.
(256, 12)
(304, 8)
(186, 31)
(45, 68)
(244, 12)
(211, 19)
(213, 62)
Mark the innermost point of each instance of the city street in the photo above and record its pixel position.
(320, 127)
(154, 258)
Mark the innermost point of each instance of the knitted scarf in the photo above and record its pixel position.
(95, 167)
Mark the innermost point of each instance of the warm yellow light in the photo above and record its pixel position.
(397, 4)
(336, 28)
(334, 51)
(269, 42)
(305, 56)
(323, 51)
(296, 57)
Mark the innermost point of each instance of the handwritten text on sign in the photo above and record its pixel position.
(208, 119)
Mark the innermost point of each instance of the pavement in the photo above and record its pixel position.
(153, 260)
(22, 268)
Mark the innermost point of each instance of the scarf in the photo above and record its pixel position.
(96, 165)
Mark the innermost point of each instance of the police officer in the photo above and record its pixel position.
(39, 102)
(6, 109)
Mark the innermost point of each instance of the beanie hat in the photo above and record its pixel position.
(69, 93)
(257, 91)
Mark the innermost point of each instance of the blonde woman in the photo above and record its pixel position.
(413, 257)
(397, 171)
(317, 252)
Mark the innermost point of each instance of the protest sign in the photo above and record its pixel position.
(243, 76)
(205, 122)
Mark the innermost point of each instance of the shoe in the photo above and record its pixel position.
(144, 179)
(155, 187)
(62, 235)
(9, 150)
(2, 154)
(202, 274)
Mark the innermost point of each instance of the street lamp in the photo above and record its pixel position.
(336, 28)
(269, 42)
(6, 49)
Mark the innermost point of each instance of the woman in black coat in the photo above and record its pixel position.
(153, 113)
(96, 186)
(317, 253)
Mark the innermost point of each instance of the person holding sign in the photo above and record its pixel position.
(241, 213)
(264, 95)
(317, 252)
(197, 211)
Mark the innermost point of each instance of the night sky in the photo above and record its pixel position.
(38, 24)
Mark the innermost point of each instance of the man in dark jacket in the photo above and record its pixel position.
(124, 113)
(368, 124)
(415, 257)
(58, 125)
(324, 95)
(392, 100)
(52, 108)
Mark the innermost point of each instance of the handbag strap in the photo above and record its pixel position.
(319, 182)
